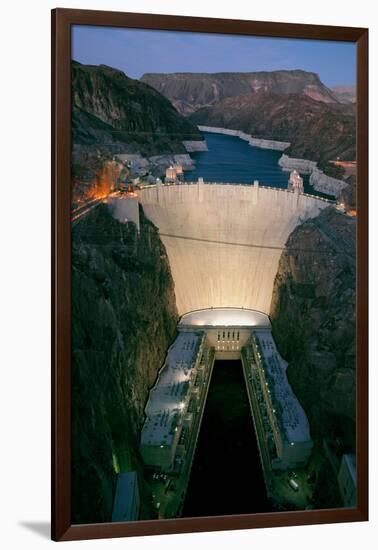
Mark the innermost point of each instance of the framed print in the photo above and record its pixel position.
(209, 267)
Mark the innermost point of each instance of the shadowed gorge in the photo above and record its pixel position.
(226, 476)
(124, 318)
(321, 347)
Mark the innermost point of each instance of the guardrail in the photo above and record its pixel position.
(281, 189)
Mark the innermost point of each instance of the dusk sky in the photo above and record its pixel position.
(141, 51)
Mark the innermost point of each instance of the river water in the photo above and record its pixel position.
(226, 476)
(231, 160)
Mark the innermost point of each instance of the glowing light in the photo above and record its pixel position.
(231, 317)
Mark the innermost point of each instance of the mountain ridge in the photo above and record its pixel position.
(189, 92)
(120, 114)
(295, 118)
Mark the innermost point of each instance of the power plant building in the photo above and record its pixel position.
(175, 401)
(284, 433)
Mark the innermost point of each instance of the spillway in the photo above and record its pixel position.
(224, 241)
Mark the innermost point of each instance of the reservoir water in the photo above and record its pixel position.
(226, 476)
(231, 160)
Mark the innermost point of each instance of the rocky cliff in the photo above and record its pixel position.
(348, 194)
(294, 118)
(313, 320)
(345, 94)
(191, 91)
(123, 321)
(119, 114)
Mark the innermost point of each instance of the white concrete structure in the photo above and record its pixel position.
(347, 480)
(295, 182)
(318, 179)
(227, 330)
(224, 317)
(125, 208)
(176, 402)
(166, 409)
(224, 241)
(288, 421)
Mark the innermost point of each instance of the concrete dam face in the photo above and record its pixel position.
(224, 241)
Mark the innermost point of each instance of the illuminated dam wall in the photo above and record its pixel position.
(224, 241)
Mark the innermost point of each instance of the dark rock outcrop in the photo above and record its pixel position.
(191, 91)
(115, 113)
(317, 131)
(349, 194)
(123, 321)
(313, 320)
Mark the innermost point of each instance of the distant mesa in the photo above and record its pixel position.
(189, 92)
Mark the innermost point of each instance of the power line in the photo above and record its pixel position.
(228, 243)
(223, 243)
(247, 245)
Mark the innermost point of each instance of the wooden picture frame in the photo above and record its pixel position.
(62, 20)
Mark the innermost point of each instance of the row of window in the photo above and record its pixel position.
(229, 333)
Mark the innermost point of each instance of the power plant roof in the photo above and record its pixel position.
(290, 414)
(167, 399)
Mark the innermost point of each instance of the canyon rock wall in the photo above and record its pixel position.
(313, 321)
(119, 114)
(191, 91)
(316, 131)
(123, 321)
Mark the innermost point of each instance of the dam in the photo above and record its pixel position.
(224, 243)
